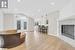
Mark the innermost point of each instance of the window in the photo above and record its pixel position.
(18, 25)
(3, 3)
(25, 25)
(46, 21)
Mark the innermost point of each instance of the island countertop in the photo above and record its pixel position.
(12, 38)
(8, 32)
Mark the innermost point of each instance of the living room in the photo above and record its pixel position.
(41, 24)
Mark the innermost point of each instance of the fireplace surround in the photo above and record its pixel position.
(66, 30)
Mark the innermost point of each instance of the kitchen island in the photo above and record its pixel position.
(11, 38)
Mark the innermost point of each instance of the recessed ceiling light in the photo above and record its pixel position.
(52, 3)
(39, 10)
(18, 0)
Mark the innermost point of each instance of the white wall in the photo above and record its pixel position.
(30, 24)
(1, 21)
(52, 26)
(9, 22)
(68, 10)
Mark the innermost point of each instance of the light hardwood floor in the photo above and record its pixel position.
(40, 41)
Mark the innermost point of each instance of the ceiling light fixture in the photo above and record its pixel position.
(18, 0)
(52, 3)
(39, 10)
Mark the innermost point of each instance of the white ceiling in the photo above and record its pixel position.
(37, 7)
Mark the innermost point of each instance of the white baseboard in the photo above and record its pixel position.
(52, 34)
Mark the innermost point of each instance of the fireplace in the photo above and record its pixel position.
(68, 31)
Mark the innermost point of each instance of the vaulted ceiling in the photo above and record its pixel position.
(37, 7)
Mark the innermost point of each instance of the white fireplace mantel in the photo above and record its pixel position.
(66, 21)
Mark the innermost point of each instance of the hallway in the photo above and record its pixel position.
(40, 41)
